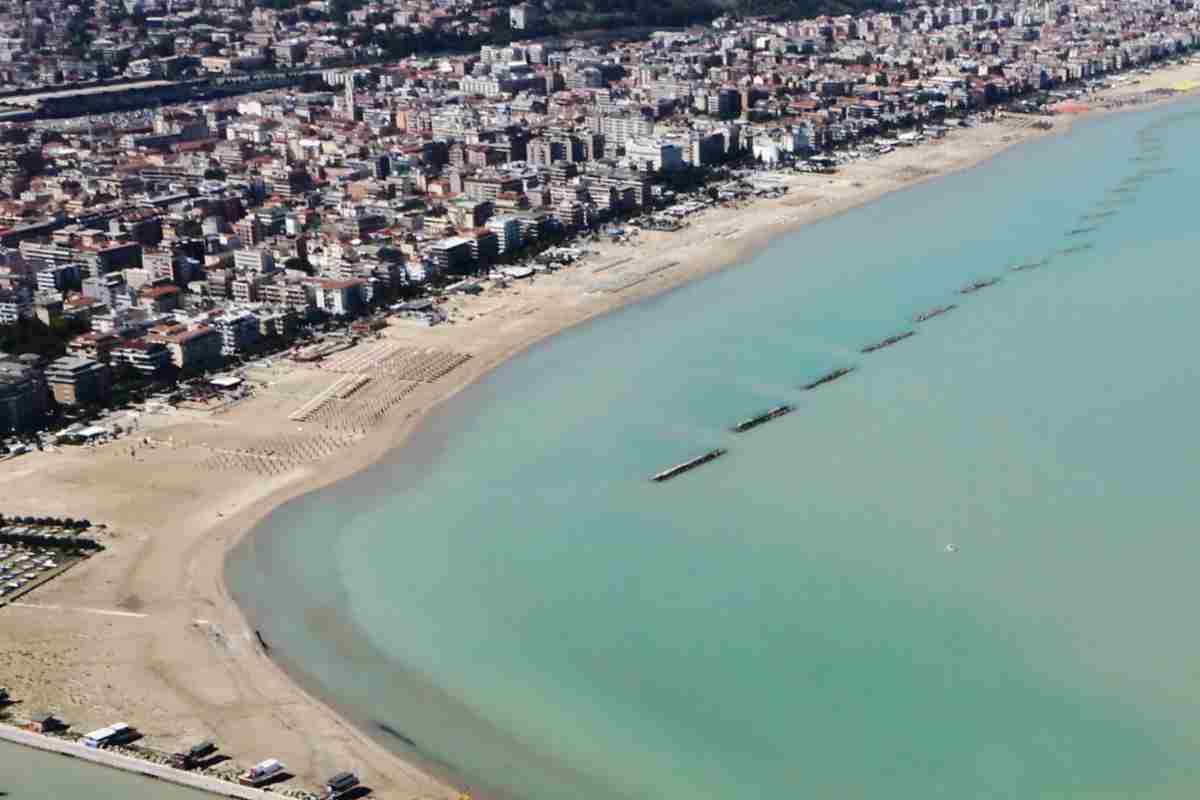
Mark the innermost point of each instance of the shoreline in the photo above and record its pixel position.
(221, 680)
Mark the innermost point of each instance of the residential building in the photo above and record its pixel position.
(339, 298)
(194, 349)
(140, 355)
(76, 381)
(452, 256)
(15, 305)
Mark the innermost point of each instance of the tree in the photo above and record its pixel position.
(32, 336)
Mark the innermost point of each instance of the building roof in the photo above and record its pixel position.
(183, 337)
(450, 243)
(345, 283)
(71, 364)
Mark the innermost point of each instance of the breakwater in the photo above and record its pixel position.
(828, 377)
(766, 416)
(888, 342)
(979, 285)
(687, 466)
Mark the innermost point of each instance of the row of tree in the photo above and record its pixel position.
(76, 544)
(48, 522)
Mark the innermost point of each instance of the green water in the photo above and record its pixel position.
(515, 597)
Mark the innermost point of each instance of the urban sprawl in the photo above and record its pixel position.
(185, 184)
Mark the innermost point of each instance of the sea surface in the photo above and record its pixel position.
(519, 605)
(967, 569)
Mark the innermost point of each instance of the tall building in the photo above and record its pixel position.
(76, 381)
(15, 305)
(508, 232)
(452, 256)
(340, 298)
(654, 155)
(22, 396)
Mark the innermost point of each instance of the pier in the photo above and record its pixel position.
(766, 416)
(107, 758)
(687, 466)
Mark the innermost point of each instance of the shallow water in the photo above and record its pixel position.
(518, 604)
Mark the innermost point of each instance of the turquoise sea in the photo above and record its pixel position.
(521, 608)
(513, 596)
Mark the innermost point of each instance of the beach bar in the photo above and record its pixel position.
(116, 733)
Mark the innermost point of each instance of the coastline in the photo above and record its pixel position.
(211, 678)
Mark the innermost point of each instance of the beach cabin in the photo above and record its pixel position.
(262, 772)
(339, 784)
(44, 722)
(117, 733)
(193, 755)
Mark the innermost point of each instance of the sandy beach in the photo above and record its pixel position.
(146, 631)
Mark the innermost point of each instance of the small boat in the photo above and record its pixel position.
(951, 548)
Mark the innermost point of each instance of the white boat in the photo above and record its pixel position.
(951, 548)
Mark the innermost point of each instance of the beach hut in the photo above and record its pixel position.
(190, 757)
(339, 785)
(262, 772)
(44, 722)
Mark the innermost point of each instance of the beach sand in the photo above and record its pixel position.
(146, 631)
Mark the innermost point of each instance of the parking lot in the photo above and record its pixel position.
(30, 555)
